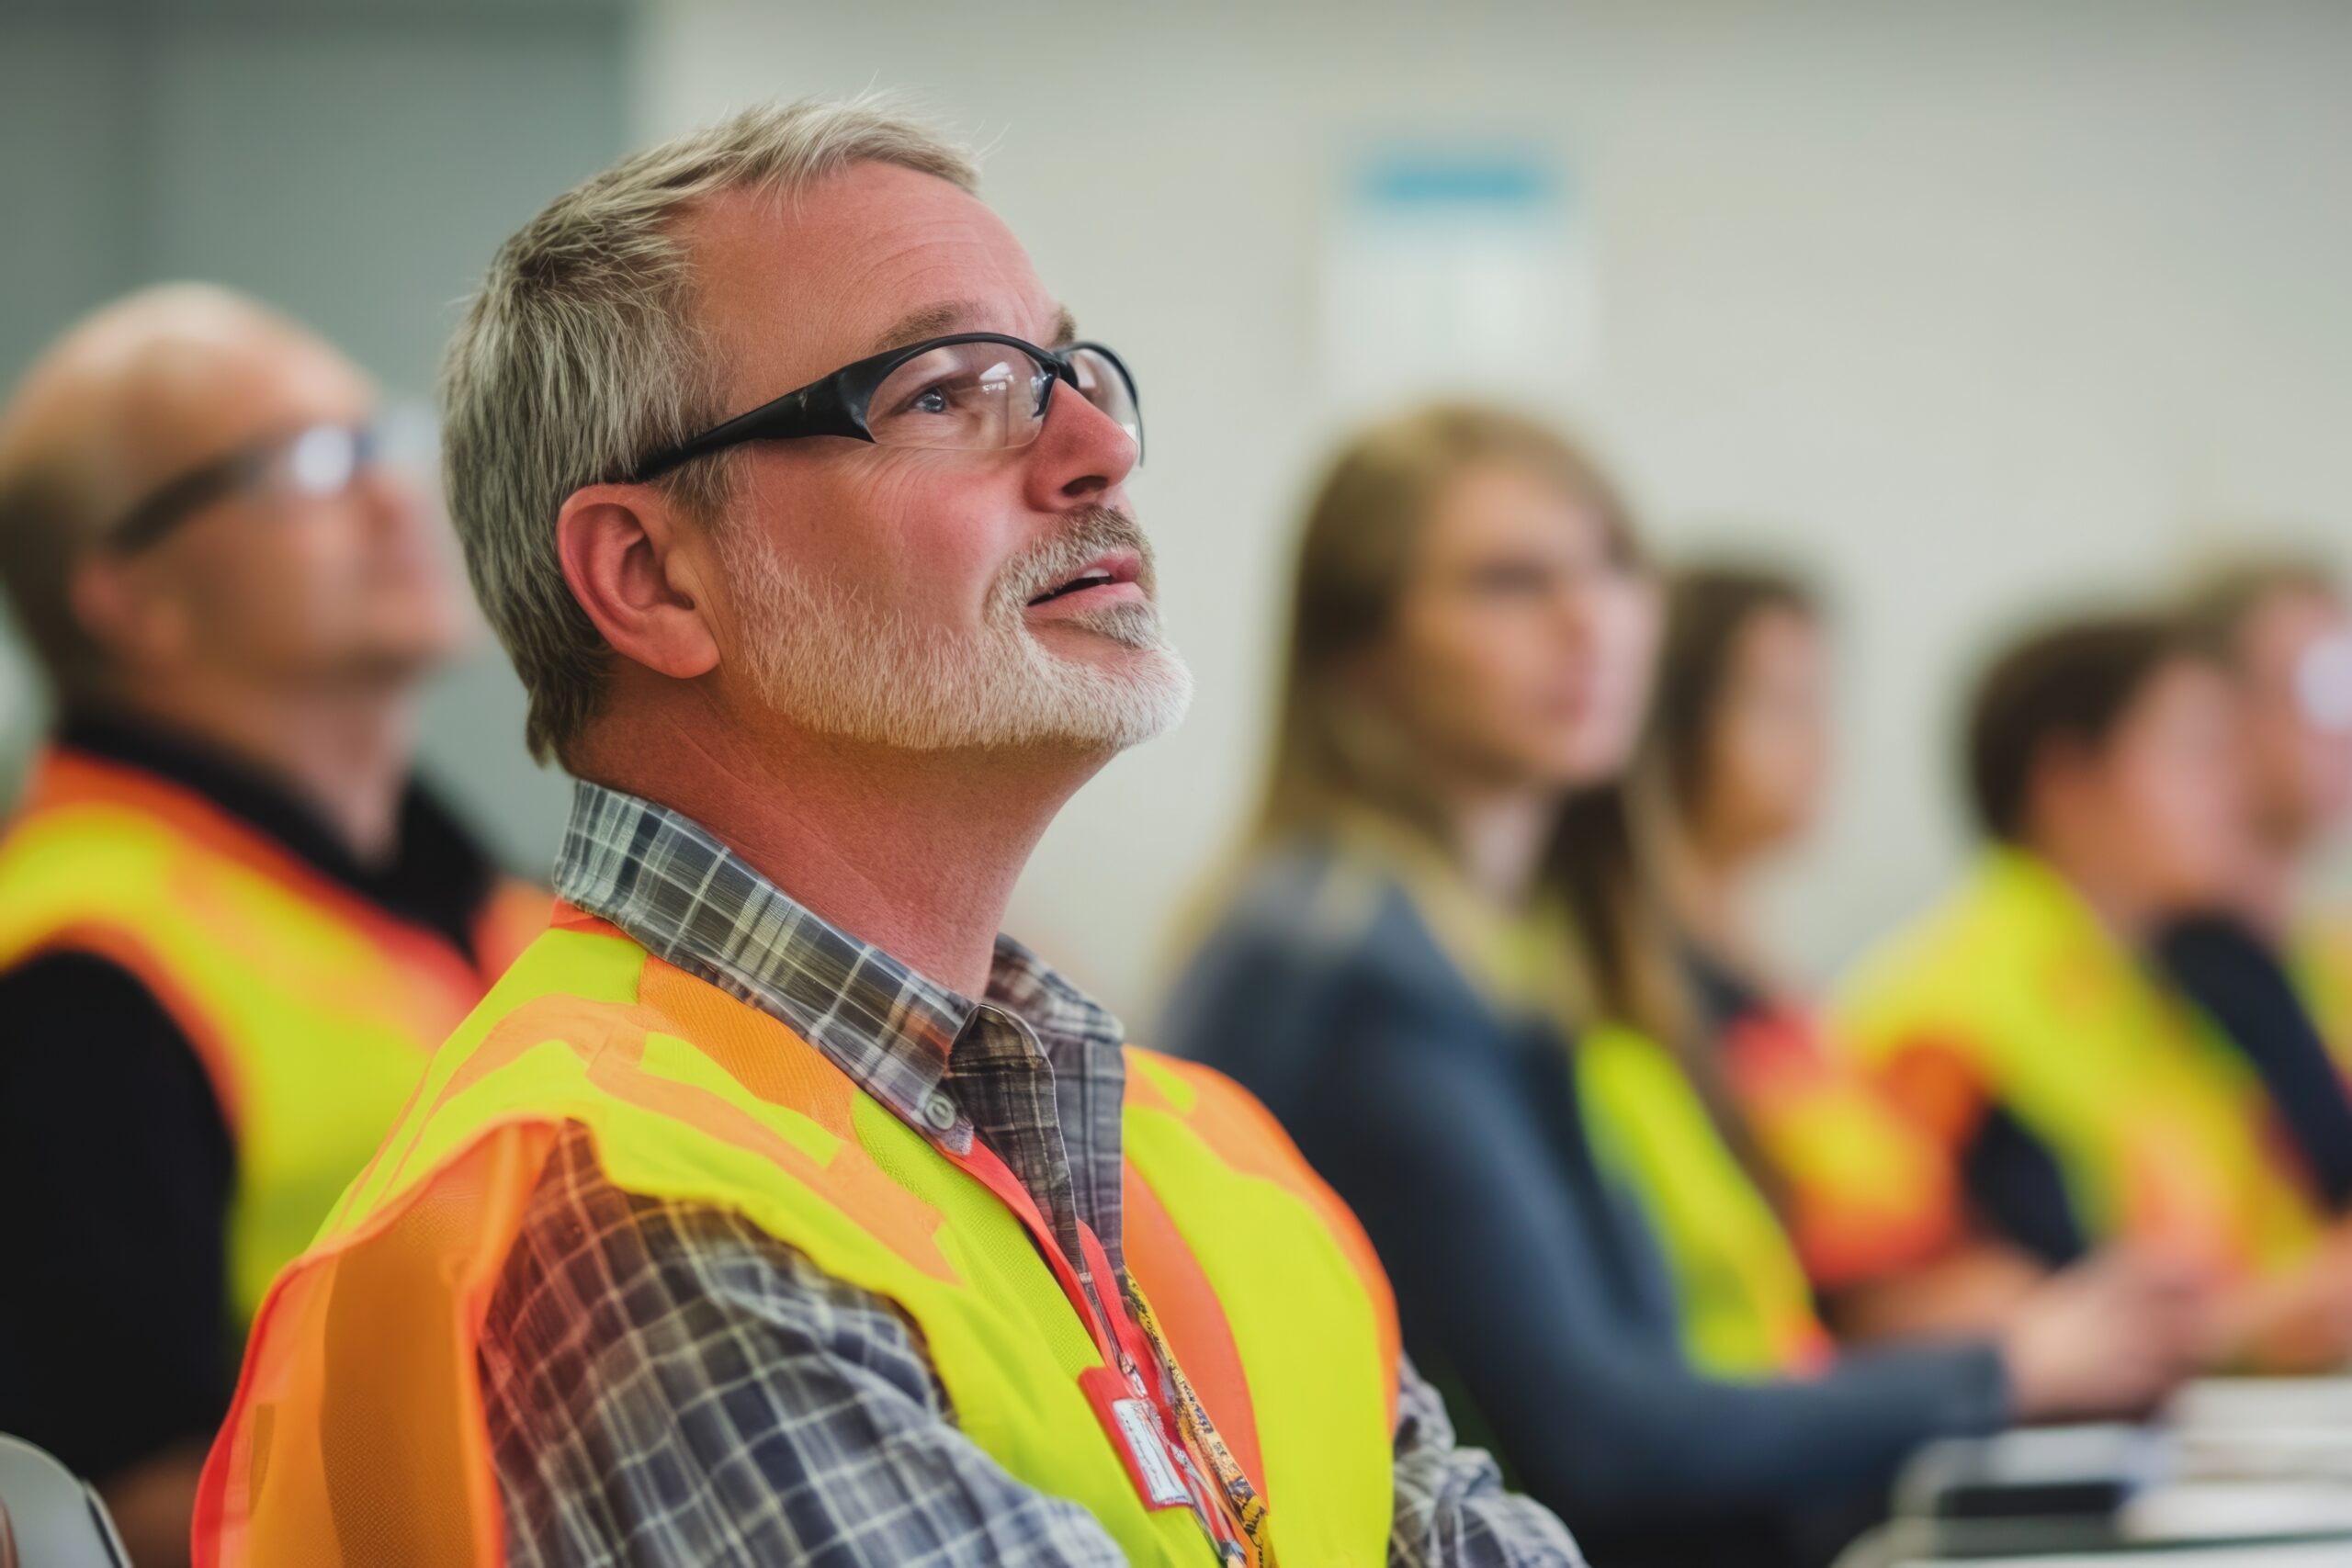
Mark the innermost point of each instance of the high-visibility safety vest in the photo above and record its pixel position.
(1746, 1310)
(311, 1010)
(356, 1436)
(2012, 994)
(1869, 1193)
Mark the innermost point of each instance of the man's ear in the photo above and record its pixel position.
(622, 554)
(124, 610)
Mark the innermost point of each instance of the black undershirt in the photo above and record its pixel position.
(2241, 982)
(1724, 998)
(116, 1336)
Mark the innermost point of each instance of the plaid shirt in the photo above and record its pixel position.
(666, 1383)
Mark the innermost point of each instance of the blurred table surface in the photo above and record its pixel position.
(2332, 1553)
(2230, 1403)
(2236, 1464)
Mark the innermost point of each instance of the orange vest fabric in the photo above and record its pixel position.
(357, 1433)
(2012, 994)
(1869, 1193)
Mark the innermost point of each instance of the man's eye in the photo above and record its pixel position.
(951, 395)
(1510, 580)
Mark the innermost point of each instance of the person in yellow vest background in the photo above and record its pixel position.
(2283, 628)
(1739, 757)
(2023, 1022)
(232, 923)
(774, 1207)
(2269, 962)
(1431, 966)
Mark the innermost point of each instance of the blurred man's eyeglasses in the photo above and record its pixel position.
(318, 460)
(2324, 683)
(973, 392)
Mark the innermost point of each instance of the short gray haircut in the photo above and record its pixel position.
(580, 357)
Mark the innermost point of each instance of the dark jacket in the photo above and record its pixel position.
(1528, 1288)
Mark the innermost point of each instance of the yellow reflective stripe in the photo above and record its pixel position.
(591, 969)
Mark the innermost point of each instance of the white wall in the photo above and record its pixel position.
(353, 163)
(1975, 307)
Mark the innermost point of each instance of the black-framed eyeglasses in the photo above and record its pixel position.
(972, 391)
(317, 460)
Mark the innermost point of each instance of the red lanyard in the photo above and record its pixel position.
(983, 1166)
(1125, 1390)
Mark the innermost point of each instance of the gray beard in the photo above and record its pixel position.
(833, 662)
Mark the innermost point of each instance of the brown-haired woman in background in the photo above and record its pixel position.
(1738, 752)
(1396, 977)
(1735, 771)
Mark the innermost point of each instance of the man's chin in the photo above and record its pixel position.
(396, 662)
(1139, 693)
(1134, 626)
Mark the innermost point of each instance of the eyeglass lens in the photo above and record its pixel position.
(973, 396)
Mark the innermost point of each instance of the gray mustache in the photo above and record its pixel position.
(1087, 535)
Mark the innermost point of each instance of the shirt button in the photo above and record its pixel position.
(939, 1110)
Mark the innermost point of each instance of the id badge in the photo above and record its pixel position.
(1134, 1429)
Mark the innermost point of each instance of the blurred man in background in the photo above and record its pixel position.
(231, 925)
(2022, 1021)
(2284, 629)
(2276, 973)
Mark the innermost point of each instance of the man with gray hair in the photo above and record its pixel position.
(775, 1208)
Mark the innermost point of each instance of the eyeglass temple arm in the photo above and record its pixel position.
(155, 517)
(818, 409)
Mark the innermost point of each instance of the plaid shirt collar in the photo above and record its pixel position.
(669, 884)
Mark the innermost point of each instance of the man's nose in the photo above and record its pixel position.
(1080, 455)
(391, 497)
(1576, 605)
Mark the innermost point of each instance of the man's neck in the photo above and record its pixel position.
(2111, 899)
(2266, 889)
(344, 752)
(913, 851)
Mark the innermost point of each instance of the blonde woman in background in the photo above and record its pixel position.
(1396, 977)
